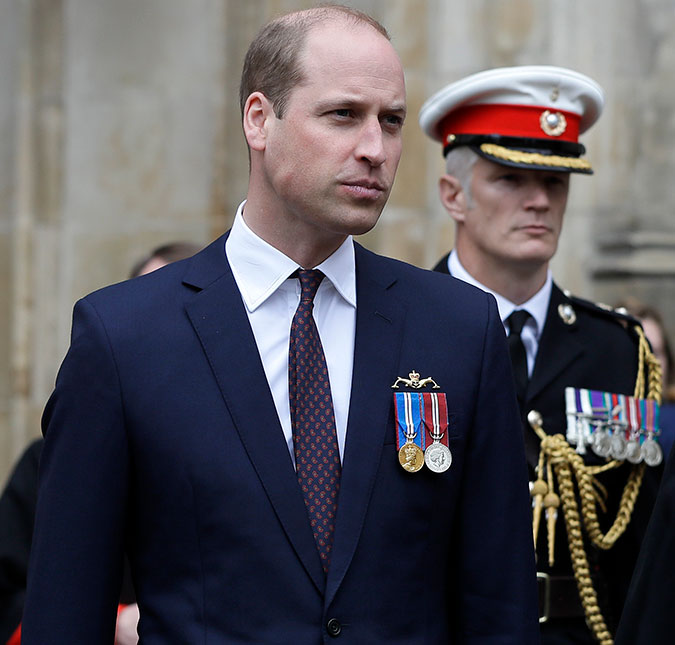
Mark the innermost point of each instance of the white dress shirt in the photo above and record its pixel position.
(271, 298)
(536, 306)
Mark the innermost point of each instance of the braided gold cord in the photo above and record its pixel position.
(537, 158)
(587, 594)
(654, 383)
(645, 355)
(596, 470)
(588, 502)
(569, 465)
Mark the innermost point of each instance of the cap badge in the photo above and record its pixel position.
(553, 123)
(567, 314)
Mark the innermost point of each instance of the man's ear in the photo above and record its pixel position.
(257, 113)
(452, 196)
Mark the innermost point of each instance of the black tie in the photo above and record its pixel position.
(516, 322)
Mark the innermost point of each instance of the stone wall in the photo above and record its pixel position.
(120, 130)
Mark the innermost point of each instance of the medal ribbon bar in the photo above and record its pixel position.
(435, 406)
(604, 420)
(408, 406)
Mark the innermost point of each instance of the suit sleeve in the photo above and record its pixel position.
(77, 552)
(497, 590)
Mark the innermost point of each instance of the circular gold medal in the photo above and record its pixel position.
(411, 457)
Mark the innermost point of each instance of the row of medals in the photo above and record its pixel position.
(616, 446)
(437, 456)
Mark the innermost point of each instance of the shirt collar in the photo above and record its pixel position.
(536, 306)
(260, 269)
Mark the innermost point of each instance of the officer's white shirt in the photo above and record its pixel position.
(271, 298)
(536, 306)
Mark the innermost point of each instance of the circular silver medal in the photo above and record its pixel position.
(601, 443)
(437, 457)
(633, 451)
(651, 452)
(618, 446)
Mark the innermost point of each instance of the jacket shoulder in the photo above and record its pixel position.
(601, 311)
(424, 282)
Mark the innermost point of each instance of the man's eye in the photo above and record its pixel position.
(393, 120)
(343, 113)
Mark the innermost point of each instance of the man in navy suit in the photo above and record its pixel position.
(177, 428)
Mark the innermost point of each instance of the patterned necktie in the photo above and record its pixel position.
(516, 322)
(317, 457)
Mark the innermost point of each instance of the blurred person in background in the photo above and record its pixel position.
(19, 497)
(655, 331)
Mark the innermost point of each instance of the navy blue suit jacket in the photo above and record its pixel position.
(162, 439)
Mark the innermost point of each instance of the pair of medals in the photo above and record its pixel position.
(614, 426)
(421, 428)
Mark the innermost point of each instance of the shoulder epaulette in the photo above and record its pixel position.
(618, 313)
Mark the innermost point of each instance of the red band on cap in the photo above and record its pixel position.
(507, 121)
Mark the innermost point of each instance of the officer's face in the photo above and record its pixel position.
(515, 216)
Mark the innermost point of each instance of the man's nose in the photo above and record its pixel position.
(538, 197)
(370, 146)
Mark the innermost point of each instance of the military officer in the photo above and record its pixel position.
(510, 138)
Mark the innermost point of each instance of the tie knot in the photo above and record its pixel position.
(517, 321)
(310, 279)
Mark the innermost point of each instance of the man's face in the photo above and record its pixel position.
(515, 216)
(330, 161)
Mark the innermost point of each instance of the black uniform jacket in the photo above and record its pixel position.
(597, 349)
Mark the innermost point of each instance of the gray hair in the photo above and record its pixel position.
(459, 163)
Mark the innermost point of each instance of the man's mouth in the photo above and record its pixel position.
(364, 188)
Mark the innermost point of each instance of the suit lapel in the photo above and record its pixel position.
(557, 349)
(215, 311)
(379, 320)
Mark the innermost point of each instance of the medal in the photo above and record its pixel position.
(602, 443)
(615, 426)
(411, 457)
(618, 447)
(633, 452)
(602, 414)
(651, 451)
(437, 455)
(572, 408)
(408, 438)
(410, 412)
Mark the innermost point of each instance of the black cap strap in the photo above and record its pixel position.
(546, 146)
